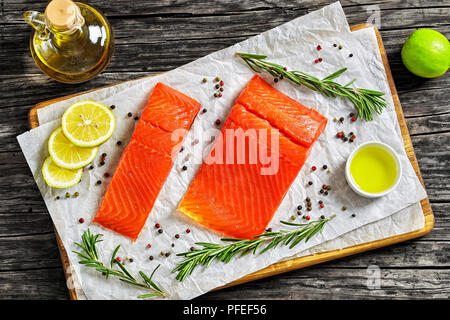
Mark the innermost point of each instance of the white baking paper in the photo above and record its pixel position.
(292, 44)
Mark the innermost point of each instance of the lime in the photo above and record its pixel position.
(88, 123)
(67, 155)
(58, 177)
(426, 53)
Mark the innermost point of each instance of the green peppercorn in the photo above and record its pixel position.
(344, 208)
(217, 79)
(162, 253)
(67, 194)
(340, 47)
(292, 217)
(76, 194)
(204, 80)
(328, 187)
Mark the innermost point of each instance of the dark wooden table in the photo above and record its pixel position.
(155, 36)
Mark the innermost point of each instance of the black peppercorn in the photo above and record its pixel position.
(310, 183)
(177, 236)
(184, 168)
(275, 80)
(99, 182)
(150, 258)
(160, 231)
(353, 215)
(325, 167)
(129, 114)
(119, 143)
(299, 207)
(112, 107)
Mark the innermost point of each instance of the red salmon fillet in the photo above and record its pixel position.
(237, 199)
(146, 161)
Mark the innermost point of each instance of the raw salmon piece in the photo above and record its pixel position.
(236, 199)
(146, 161)
(284, 113)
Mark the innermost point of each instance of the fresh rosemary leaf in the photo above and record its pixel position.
(113, 256)
(226, 252)
(365, 101)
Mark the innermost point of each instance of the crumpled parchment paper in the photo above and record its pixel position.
(294, 45)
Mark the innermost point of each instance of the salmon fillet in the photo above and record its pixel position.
(146, 161)
(236, 198)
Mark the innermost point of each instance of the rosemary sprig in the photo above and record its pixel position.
(365, 101)
(89, 258)
(226, 252)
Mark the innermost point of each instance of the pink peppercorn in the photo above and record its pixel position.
(157, 225)
(188, 230)
(313, 168)
(320, 59)
(285, 68)
(319, 48)
(339, 134)
(81, 220)
(353, 119)
(118, 259)
(307, 217)
(353, 137)
(316, 61)
(221, 83)
(220, 95)
(149, 246)
(322, 205)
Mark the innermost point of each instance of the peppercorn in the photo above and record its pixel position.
(319, 48)
(310, 183)
(344, 208)
(341, 119)
(215, 95)
(157, 225)
(292, 217)
(316, 61)
(177, 236)
(320, 59)
(217, 86)
(131, 260)
(308, 217)
(167, 254)
(217, 122)
(269, 229)
(324, 167)
(149, 246)
(321, 191)
(335, 119)
(324, 186)
(350, 140)
(91, 167)
(188, 230)
(217, 79)
(102, 163)
(104, 155)
(353, 215)
(57, 197)
(320, 201)
(339, 134)
(221, 89)
(219, 95)
(162, 253)
(118, 259)
(150, 258)
(299, 207)
(313, 168)
(335, 45)
(119, 143)
(353, 119)
(353, 137)
(340, 47)
(308, 199)
(345, 139)
(350, 55)
(192, 249)
(81, 220)
(221, 83)
(309, 208)
(76, 194)
(67, 194)
(328, 187)
(129, 114)
(281, 77)
(322, 206)
(112, 107)
(299, 213)
(184, 168)
(204, 110)
(136, 118)
(160, 230)
(99, 182)
(325, 193)
(106, 174)
(275, 80)
(322, 217)
(328, 171)
(173, 245)
(204, 80)
(285, 68)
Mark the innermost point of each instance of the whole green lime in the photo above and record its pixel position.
(426, 53)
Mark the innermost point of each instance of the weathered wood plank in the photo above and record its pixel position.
(331, 283)
(40, 284)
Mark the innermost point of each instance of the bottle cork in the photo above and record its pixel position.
(61, 13)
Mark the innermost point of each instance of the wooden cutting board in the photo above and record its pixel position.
(306, 261)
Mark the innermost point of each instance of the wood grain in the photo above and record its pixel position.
(303, 262)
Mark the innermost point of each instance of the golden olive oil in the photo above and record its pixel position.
(373, 169)
(74, 53)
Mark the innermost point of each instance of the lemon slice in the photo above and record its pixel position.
(67, 155)
(88, 123)
(58, 177)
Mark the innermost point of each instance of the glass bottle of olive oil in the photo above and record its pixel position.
(71, 42)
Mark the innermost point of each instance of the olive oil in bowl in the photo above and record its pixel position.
(373, 169)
